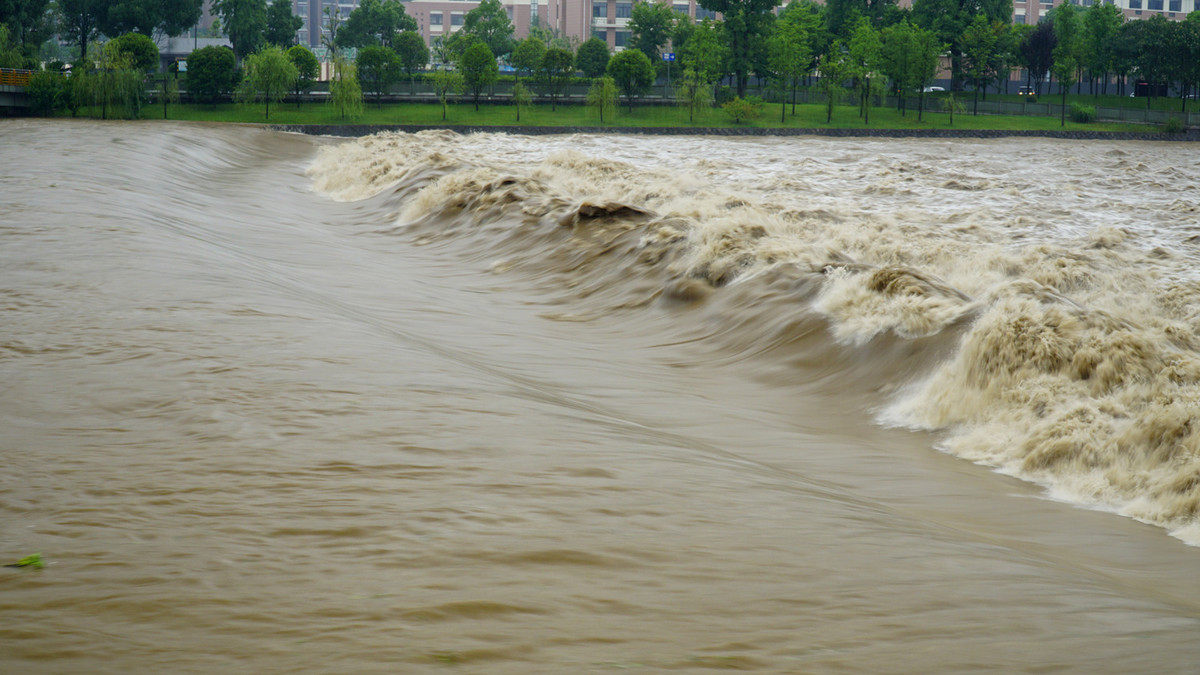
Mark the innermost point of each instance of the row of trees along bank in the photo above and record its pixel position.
(872, 45)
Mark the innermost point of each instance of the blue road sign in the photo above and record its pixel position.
(669, 56)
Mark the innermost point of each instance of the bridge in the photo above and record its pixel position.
(12, 89)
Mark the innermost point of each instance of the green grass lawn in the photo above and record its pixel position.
(808, 116)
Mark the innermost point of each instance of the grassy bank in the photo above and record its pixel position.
(810, 116)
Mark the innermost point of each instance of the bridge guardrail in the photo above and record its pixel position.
(14, 77)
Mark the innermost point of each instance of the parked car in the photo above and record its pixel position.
(929, 89)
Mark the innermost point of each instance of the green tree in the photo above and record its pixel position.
(694, 93)
(650, 26)
(528, 55)
(488, 23)
(632, 73)
(834, 70)
(344, 91)
(479, 69)
(149, 17)
(210, 73)
(745, 24)
(118, 84)
(413, 53)
(864, 61)
(378, 69)
(1037, 54)
(705, 52)
(1068, 29)
(29, 24)
(245, 22)
(948, 19)
(79, 22)
(139, 50)
(520, 97)
(282, 24)
(899, 55)
(269, 75)
(790, 60)
(554, 73)
(603, 97)
(1101, 23)
(445, 83)
(46, 92)
(168, 90)
(307, 69)
(979, 45)
(375, 22)
(592, 57)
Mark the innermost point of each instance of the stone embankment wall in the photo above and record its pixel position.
(368, 129)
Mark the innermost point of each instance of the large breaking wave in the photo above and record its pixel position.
(1042, 317)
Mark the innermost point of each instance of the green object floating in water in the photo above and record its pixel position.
(34, 560)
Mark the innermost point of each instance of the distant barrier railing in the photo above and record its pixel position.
(14, 77)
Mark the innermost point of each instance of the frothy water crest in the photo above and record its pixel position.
(1075, 364)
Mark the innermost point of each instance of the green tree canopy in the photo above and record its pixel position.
(479, 69)
(864, 60)
(244, 21)
(650, 27)
(632, 73)
(149, 17)
(210, 73)
(308, 68)
(555, 71)
(375, 22)
(705, 52)
(345, 94)
(79, 22)
(378, 69)
(29, 24)
(282, 24)
(269, 75)
(140, 50)
(528, 55)
(947, 19)
(744, 26)
(488, 23)
(790, 59)
(592, 57)
(603, 97)
(413, 53)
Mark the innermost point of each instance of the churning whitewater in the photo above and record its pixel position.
(1057, 343)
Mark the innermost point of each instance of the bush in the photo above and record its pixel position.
(46, 92)
(1082, 113)
(1174, 125)
(724, 95)
(743, 109)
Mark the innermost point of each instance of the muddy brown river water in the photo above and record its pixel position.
(589, 404)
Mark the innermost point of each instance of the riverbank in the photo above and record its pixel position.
(355, 130)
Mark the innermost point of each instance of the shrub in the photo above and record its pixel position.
(46, 92)
(1174, 125)
(743, 109)
(1082, 113)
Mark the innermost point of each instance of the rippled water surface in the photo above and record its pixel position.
(492, 404)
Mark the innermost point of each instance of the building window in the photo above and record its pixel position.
(1135, 4)
(1176, 5)
(600, 10)
(624, 10)
(600, 34)
(622, 38)
(680, 9)
(702, 14)
(456, 19)
(1019, 19)
(1154, 5)
(435, 19)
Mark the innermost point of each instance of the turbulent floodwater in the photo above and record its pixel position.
(499, 404)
